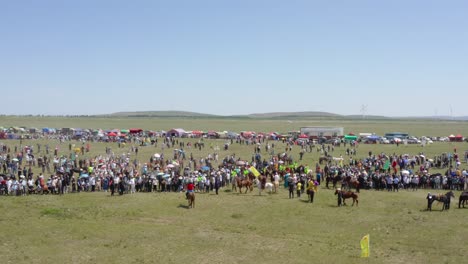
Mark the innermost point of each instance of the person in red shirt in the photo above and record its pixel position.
(190, 188)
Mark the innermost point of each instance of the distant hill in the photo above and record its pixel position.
(293, 114)
(159, 114)
(367, 117)
(273, 115)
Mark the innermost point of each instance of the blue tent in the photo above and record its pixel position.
(373, 138)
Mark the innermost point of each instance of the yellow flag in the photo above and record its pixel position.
(365, 247)
(254, 171)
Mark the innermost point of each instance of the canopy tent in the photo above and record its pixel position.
(303, 136)
(350, 137)
(176, 132)
(373, 138)
(135, 130)
(197, 133)
(247, 134)
(212, 134)
(457, 138)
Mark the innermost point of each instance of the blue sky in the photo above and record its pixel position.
(400, 58)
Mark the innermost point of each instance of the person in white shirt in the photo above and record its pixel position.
(132, 185)
(9, 183)
(276, 179)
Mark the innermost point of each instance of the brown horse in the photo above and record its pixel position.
(247, 183)
(347, 195)
(325, 159)
(191, 199)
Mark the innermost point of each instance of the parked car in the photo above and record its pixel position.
(413, 141)
(384, 141)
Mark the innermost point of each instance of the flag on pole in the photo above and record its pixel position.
(365, 247)
(254, 171)
(386, 165)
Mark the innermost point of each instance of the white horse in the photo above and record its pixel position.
(268, 187)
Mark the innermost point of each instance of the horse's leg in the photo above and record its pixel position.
(344, 201)
(357, 201)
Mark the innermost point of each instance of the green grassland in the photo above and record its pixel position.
(231, 227)
(228, 228)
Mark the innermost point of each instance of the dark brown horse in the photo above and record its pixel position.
(191, 199)
(442, 198)
(347, 195)
(325, 159)
(463, 198)
(349, 183)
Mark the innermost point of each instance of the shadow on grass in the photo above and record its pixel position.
(183, 206)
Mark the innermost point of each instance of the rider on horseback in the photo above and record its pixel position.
(190, 188)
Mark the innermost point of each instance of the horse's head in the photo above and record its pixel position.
(450, 194)
(337, 191)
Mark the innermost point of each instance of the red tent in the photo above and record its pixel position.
(197, 133)
(136, 130)
(303, 136)
(457, 138)
(112, 134)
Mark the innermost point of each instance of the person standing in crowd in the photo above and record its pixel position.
(276, 181)
(298, 189)
(340, 197)
(292, 187)
(312, 189)
(396, 182)
(112, 185)
(430, 199)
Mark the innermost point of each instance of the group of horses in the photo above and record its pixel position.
(445, 199)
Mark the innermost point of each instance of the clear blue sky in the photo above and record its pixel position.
(400, 58)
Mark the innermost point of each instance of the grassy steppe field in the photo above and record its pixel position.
(228, 228)
(231, 227)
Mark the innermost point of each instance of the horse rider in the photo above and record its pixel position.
(190, 189)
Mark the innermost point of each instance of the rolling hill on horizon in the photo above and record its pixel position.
(271, 115)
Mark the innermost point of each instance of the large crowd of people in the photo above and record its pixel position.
(124, 173)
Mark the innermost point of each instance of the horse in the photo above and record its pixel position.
(191, 199)
(462, 199)
(268, 186)
(347, 195)
(247, 183)
(334, 180)
(324, 158)
(443, 198)
(349, 183)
